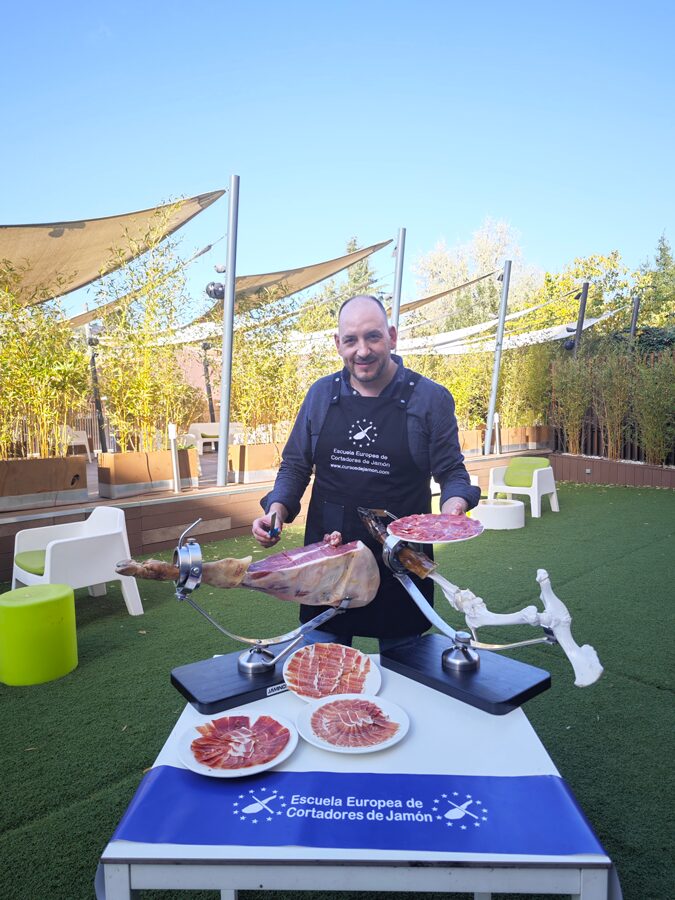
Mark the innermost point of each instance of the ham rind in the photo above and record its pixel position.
(352, 723)
(322, 574)
(232, 742)
(320, 670)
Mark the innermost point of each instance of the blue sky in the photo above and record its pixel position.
(350, 118)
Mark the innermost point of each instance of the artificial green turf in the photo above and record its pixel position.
(74, 750)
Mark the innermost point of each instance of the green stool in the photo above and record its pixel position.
(38, 641)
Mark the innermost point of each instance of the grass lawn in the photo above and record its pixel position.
(74, 750)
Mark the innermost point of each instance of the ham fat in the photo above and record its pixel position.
(321, 574)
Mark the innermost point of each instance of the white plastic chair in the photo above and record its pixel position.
(542, 484)
(207, 433)
(81, 554)
(77, 439)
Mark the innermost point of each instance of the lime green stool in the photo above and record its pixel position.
(38, 640)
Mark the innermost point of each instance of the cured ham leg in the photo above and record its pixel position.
(321, 574)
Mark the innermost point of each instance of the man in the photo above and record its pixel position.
(374, 433)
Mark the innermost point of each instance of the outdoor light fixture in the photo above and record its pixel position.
(215, 290)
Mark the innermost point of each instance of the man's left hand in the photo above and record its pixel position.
(455, 506)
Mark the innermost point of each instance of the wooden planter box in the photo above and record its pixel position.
(521, 437)
(594, 470)
(28, 483)
(258, 462)
(471, 441)
(130, 473)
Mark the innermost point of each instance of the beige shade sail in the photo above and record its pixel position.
(58, 257)
(252, 291)
(415, 304)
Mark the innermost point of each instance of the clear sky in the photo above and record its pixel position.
(347, 118)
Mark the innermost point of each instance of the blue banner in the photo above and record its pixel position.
(448, 813)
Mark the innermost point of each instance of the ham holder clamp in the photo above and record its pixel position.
(341, 576)
(466, 668)
(347, 575)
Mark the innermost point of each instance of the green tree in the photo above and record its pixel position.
(444, 268)
(44, 374)
(144, 386)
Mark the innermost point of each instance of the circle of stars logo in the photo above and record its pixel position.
(458, 813)
(363, 433)
(258, 806)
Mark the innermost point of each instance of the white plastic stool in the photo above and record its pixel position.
(500, 514)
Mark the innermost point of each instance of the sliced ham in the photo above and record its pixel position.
(320, 670)
(233, 742)
(352, 723)
(321, 574)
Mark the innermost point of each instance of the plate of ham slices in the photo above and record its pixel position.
(435, 528)
(353, 723)
(235, 746)
(323, 670)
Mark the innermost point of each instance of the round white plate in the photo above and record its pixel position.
(187, 758)
(391, 528)
(395, 713)
(371, 684)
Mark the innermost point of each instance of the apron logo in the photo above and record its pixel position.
(363, 433)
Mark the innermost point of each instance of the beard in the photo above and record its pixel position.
(378, 367)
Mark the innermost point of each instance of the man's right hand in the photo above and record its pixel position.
(262, 525)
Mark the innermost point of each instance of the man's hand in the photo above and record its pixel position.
(454, 506)
(261, 526)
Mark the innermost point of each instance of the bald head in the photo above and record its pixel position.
(363, 302)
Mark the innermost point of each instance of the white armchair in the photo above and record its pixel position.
(81, 554)
(77, 439)
(207, 433)
(529, 475)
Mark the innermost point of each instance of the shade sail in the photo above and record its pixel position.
(59, 257)
(252, 291)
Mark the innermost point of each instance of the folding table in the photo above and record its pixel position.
(449, 747)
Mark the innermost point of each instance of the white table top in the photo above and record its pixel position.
(445, 737)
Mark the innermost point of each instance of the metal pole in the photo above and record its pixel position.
(228, 330)
(398, 278)
(506, 278)
(175, 464)
(92, 343)
(580, 317)
(636, 312)
(207, 381)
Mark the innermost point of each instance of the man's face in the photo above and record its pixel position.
(365, 342)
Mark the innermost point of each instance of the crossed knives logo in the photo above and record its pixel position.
(363, 433)
(259, 806)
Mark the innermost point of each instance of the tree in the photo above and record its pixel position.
(44, 374)
(144, 386)
(319, 312)
(443, 268)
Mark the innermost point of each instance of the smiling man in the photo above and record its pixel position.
(374, 434)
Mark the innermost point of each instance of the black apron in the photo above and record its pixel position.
(362, 458)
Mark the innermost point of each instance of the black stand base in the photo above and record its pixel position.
(498, 686)
(213, 685)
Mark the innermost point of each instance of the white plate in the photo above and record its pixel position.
(395, 713)
(187, 758)
(391, 528)
(371, 684)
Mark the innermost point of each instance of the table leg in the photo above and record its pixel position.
(228, 895)
(482, 896)
(117, 882)
(594, 885)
